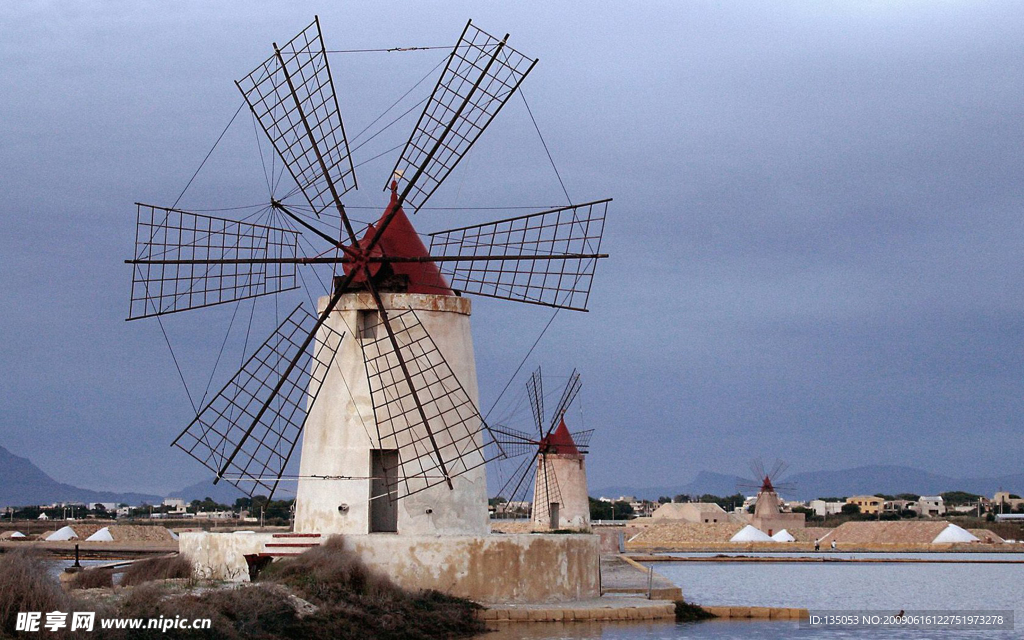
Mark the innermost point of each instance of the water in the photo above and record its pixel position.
(883, 586)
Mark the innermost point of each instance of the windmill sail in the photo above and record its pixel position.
(292, 96)
(186, 260)
(481, 75)
(248, 432)
(568, 395)
(450, 441)
(546, 258)
(535, 389)
(582, 439)
(513, 442)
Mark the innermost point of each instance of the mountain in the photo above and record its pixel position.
(809, 485)
(23, 483)
(892, 480)
(706, 482)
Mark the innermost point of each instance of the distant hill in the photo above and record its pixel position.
(809, 485)
(23, 483)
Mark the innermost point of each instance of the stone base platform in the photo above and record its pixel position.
(507, 569)
(758, 613)
(594, 610)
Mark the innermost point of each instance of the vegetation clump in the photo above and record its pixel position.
(688, 612)
(354, 602)
(161, 568)
(26, 585)
(92, 579)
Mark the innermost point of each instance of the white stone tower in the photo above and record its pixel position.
(560, 497)
(347, 475)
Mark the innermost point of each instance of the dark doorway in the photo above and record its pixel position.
(553, 510)
(383, 505)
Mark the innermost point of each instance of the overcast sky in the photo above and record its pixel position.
(816, 236)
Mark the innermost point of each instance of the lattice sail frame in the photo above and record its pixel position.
(292, 96)
(549, 256)
(454, 427)
(234, 422)
(184, 240)
(481, 75)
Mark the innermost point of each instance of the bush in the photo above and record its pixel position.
(355, 602)
(687, 612)
(161, 568)
(26, 585)
(234, 613)
(92, 579)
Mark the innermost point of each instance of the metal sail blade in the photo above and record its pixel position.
(519, 485)
(546, 258)
(234, 436)
(535, 389)
(450, 441)
(292, 96)
(175, 265)
(582, 439)
(513, 442)
(568, 395)
(481, 75)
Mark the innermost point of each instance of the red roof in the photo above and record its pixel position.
(560, 441)
(400, 239)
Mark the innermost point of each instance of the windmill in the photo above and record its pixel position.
(368, 338)
(769, 515)
(552, 462)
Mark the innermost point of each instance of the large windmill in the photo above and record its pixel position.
(391, 331)
(550, 462)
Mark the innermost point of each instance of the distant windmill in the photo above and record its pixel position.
(426, 428)
(769, 515)
(552, 462)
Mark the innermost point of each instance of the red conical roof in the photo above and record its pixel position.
(401, 240)
(560, 441)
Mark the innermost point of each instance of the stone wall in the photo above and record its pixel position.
(493, 569)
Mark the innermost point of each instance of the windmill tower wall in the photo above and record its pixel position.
(340, 432)
(569, 472)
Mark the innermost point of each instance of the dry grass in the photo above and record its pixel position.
(161, 568)
(92, 579)
(26, 585)
(355, 602)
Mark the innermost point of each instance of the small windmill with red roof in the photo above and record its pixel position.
(556, 469)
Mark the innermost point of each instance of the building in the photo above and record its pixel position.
(930, 506)
(177, 506)
(561, 465)
(704, 512)
(822, 509)
(1005, 502)
(868, 504)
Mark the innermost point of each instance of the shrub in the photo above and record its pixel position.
(26, 585)
(328, 574)
(234, 613)
(161, 568)
(92, 579)
(355, 602)
(687, 612)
